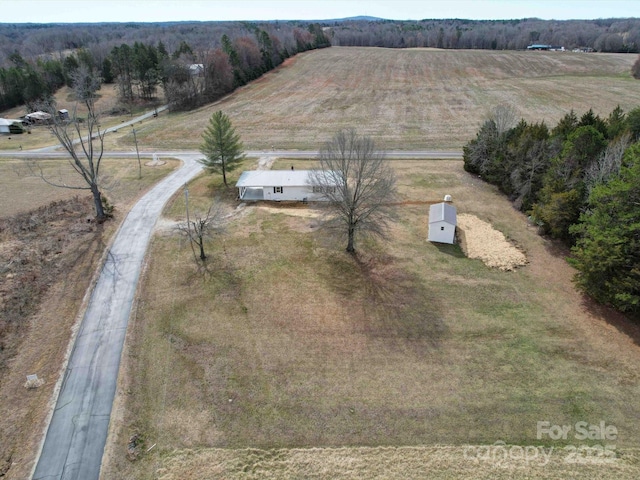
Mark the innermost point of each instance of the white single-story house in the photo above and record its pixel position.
(279, 185)
(442, 223)
(5, 124)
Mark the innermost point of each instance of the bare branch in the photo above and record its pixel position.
(505, 117)
(36, 170)
(608, 163)
(83, 139)
(358, 183)
(200, 228)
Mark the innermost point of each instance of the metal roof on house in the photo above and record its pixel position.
(442, 212)
(8, 121)
(275, 178)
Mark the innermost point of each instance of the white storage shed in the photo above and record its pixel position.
(5, 124)
(442, 223)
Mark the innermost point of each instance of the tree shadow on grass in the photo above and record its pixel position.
(624, 323)
(389, 303)
(453, 250)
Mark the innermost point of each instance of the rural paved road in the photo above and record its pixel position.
(77, 433)
(302, 154)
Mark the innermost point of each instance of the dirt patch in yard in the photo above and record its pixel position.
(294, 210)
(480, 240)
(47, 259)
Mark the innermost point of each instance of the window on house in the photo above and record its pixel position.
(277, 189)
(441, 228)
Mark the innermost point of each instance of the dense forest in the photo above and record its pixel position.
(580, 183)
(602, 35)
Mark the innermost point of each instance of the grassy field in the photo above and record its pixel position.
(289, 353)
(406, 99)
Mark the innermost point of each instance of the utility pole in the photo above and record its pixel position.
(135, 139)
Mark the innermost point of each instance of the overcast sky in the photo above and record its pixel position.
(72, 11)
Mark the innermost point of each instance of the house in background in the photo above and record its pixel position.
(280, 185)
(7, 125)
(539, 47)
(442, 223)
(196, 70)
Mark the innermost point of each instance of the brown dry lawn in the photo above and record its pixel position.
(289, 357)
(406, 99)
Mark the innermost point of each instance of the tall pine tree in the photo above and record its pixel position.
(222, 147)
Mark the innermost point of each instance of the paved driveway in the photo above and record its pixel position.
(77, 433)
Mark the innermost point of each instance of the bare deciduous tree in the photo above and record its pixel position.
(82, 138)
(505, 117)
(358, 183)
(608, 163)
(479, 153)
(200, 228)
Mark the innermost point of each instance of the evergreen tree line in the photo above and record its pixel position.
(580, 182)
(189, 77)
(30, 82)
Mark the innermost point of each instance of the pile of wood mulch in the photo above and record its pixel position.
(480, 240)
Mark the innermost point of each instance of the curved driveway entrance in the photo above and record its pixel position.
(77, 433)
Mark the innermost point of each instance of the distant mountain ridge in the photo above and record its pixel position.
(359, 18)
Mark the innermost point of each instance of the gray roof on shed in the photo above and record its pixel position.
(442, 212)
